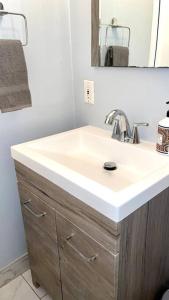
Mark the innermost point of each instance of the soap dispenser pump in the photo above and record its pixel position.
(163, 135)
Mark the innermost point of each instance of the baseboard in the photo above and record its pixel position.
(14, 269)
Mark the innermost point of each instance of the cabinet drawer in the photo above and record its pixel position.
(89, 272)
(37, 212)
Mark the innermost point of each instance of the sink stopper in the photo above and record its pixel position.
(110, 166)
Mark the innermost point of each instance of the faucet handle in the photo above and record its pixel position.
(141, 124)
(135, 134)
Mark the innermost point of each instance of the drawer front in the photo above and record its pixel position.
(100, 228)
(37, 212)
(40, 227)
(89, 272)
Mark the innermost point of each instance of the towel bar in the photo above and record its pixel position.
(114, 25)
(4, 13)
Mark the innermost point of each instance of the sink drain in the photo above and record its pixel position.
(110, 166)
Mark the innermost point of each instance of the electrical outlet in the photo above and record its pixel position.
(89, 91)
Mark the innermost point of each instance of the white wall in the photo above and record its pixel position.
(50, 77)
(141, 93)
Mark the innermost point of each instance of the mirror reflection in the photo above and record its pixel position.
(133, 33)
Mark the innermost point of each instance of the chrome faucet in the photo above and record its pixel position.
(121, 127)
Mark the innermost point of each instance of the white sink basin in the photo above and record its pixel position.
(74, 160)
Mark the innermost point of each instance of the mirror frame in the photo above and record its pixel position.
(95, 33)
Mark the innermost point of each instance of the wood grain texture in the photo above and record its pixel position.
(44, 261)
(47, 223)
(95, 61)
(42, 246)
(88, 271)
(100, 228)
(144, 251)
(157, 248)
(132, 255)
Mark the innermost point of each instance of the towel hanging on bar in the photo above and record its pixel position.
(117, 56)
(14, 89)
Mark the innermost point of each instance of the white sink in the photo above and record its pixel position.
(74, 160)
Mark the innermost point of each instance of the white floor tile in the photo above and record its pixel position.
(17, 289)
(40, 292)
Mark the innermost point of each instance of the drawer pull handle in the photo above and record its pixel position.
(32, 212)
(69, 237)
(87, 259)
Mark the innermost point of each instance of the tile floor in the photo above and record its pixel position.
(22, 288)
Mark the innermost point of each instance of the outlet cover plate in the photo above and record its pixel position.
(89, 91)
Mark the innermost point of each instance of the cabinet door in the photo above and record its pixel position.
(40, 227)
(88, 270)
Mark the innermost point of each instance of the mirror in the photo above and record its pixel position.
(130, 33)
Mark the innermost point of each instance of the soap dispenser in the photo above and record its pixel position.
(163, 135)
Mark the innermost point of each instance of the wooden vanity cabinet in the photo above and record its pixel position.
(78, 254)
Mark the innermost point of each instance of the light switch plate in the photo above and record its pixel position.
(89, 91)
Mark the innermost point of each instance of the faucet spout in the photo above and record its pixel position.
(121, 128)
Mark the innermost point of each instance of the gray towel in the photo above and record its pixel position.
(14, 89)
(117, 56)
